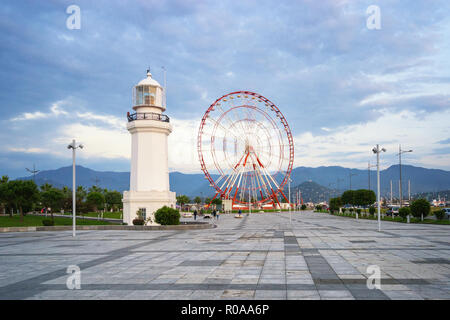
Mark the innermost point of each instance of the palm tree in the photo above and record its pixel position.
(46, 187)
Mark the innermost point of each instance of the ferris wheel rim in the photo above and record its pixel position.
(288, 135)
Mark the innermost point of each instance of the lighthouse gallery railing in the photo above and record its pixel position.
(148, 116)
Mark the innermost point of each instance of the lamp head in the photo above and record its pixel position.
(81, 146)
(69, 146)
(374, 150)
(384, 150)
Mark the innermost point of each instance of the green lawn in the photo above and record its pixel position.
(109, 215)
(34, 221)
(396, 219)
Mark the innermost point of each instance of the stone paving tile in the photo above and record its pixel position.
(262, 256)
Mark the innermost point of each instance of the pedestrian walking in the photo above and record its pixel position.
(214, 213)
(195, 214)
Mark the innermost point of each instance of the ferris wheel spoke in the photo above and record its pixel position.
(227, 116)
(224, 128)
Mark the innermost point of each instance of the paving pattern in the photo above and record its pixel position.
(261, 256)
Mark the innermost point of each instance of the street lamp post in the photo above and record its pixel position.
(290, 213)
(368, 169)
(400, 151)
(249, 201)
(377, 151)
(73, 146)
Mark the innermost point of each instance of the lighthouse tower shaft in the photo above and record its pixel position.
(149, 175)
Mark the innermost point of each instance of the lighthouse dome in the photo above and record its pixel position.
(148, 95)
(149, 81)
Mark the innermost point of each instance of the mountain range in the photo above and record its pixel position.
(333, 179)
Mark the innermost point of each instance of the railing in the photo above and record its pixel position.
(147, 116)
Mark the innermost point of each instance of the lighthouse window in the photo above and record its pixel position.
(139, 95)
(143, 213)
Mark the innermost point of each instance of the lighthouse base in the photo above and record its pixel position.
(148, 200)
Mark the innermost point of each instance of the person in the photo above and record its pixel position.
(217, 215)
(240, 212)
(195, 214)
(214, 213)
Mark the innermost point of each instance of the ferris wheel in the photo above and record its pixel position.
(246, 149)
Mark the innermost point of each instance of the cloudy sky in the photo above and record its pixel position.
(342, 87)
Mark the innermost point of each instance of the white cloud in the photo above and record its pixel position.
(55, 111)
(99, 142)
(105, 137)
(351, 146)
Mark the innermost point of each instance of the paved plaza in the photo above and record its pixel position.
(261, 256)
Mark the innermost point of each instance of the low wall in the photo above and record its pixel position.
(185, 226)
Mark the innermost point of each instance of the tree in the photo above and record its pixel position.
(361, 197)
(404, 212)
(95, 200)
(335, 204)
(420, 208)
(113, 199)
(52, 198)
(364, 197)
(197, 200)
(439, 214)
(22, 193)
(95, 189)
(46, 186)
(182, 199)
(348, 197)
(4, 193)
(67, 200)
(80, 194)
(217, 201)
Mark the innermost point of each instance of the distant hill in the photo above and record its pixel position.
(312, 192)
(422, 180)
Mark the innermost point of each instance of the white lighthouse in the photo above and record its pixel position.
(149, 176)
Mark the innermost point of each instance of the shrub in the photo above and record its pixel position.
(167, 216)
(343, 210)
(371, 211)
(48, 222)
(138, 222)
(358, 211)
(420, 207)
(303, 207)
(440, 214)
(351, 210)
(404, 212)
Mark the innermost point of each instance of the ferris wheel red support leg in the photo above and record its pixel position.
(276, 198)
(217, 193)
(284, 196)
